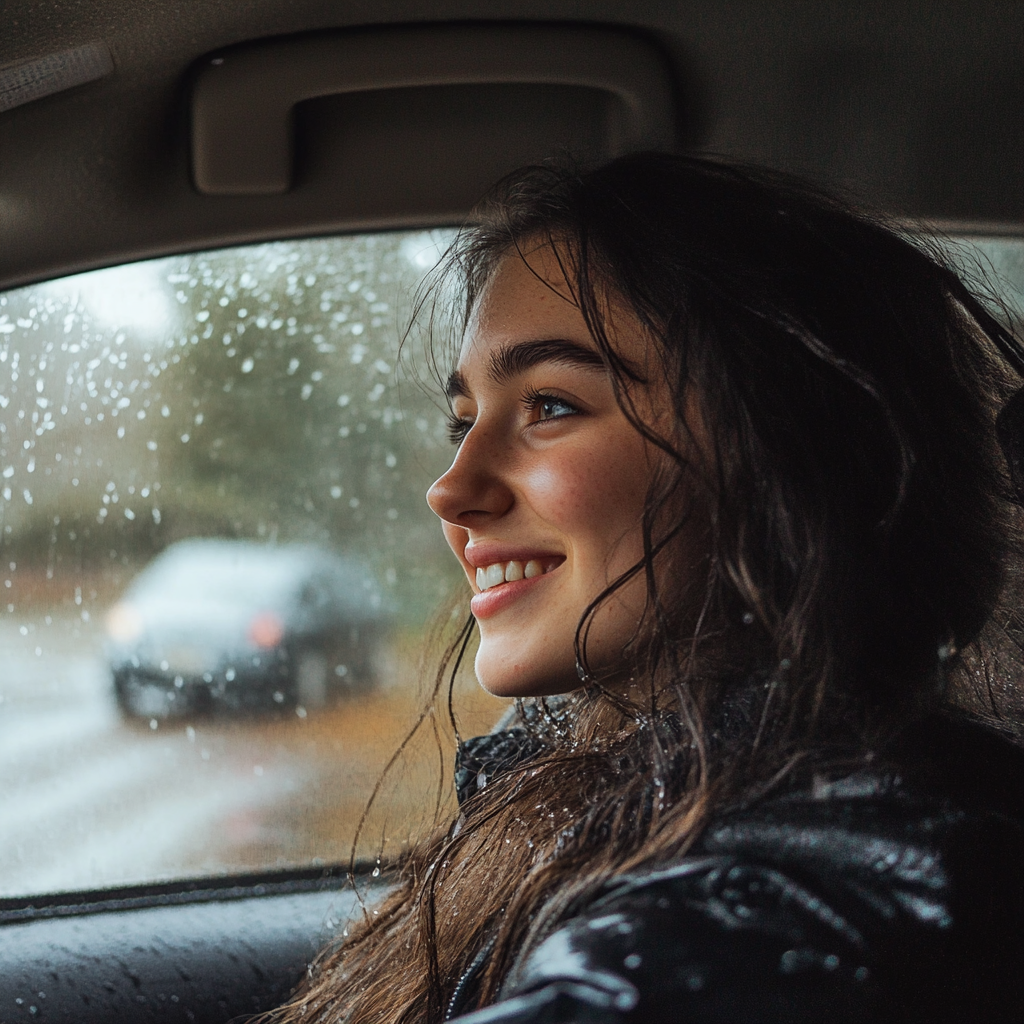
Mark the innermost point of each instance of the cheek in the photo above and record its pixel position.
(592, 492)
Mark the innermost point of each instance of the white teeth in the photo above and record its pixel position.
(501, 572)
(493, 575)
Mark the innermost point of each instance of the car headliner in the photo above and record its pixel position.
(915, 104)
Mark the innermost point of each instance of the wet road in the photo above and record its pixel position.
(88, 800)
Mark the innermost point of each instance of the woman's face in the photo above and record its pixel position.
(543, 503)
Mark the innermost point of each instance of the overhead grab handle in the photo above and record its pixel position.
(243, 98)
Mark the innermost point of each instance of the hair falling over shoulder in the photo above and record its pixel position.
(845, 385)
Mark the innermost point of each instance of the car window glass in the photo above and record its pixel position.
(996, 265)
(218, 565)
(218, 568)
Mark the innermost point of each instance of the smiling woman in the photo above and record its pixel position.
(544, 503)
(729, 482)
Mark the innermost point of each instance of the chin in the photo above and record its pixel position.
(502, 679)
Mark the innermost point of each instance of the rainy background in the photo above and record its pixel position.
(245, 393)
(251, 393)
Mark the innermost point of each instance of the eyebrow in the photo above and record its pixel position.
(512, 360)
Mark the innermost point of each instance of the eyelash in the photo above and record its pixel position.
(458, 428)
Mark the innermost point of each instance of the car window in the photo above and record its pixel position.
(996, 264)
(219, 570)
(219, 573)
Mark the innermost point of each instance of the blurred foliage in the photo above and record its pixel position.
(251, 392)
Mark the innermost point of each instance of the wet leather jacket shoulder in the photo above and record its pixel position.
(882, 896)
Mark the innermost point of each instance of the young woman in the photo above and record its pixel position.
(728, 483)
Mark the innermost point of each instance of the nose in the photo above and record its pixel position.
(475, 490)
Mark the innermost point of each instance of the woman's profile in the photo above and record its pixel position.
(729, 492)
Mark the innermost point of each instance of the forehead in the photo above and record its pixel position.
(527, 314)
(527, 298)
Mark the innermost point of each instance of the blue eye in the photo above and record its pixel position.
(550, 407)
(554, 408)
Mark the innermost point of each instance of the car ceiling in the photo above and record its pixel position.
(915, 106)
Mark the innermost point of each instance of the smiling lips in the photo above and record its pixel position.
(501, 583)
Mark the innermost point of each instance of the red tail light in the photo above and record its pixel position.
(266, 630)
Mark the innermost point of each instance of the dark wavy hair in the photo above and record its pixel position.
(846, 384)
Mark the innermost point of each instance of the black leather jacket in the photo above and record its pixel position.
(883, 896)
